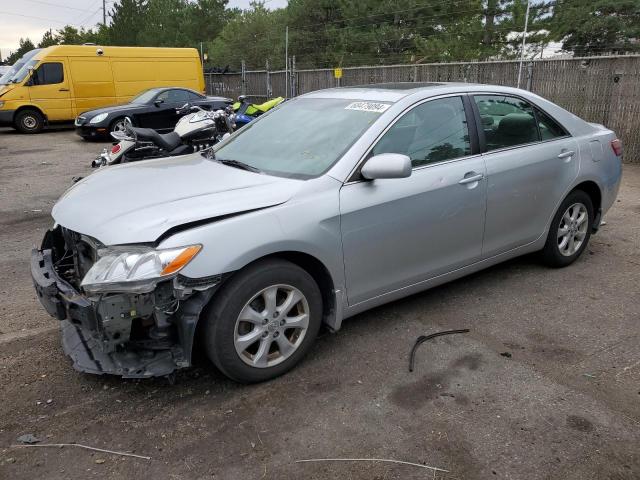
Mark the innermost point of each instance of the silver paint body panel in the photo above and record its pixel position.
(379, 240)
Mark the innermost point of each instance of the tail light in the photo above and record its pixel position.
(115, 149)
(616, 145)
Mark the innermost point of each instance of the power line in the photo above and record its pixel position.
(59, 5)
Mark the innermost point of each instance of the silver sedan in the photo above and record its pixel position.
(331, 204)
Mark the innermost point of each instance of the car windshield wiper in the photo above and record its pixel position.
(239, 164)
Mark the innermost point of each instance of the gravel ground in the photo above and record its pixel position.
(545, 386)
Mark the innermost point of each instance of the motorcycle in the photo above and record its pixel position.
(246, 112)
(194, 132)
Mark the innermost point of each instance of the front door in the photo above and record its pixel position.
(162, 115)
(398, 232)
(49, 89)
(531, 161)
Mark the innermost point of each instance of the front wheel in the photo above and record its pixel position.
(29, 121)
(570, 230)
(118, 126)
(263, 321)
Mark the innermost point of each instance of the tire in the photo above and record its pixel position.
(115, 125)
(29, 121)
(559, 251)
(260, 356)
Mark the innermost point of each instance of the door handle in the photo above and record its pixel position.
(567, 154)
(471, 179)
(63, 90)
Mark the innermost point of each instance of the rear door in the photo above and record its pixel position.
(49, 89)
(531, 162)
(398, 232)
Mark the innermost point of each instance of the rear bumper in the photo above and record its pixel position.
(6, 118)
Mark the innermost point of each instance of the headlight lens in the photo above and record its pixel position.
(136, 269)
(1, 104)
(98, 118)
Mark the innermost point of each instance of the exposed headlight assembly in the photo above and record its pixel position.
(98, 118)
(136, 269)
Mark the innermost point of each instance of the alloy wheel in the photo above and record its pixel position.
(271, 326)
(572, 229)
(118, 126)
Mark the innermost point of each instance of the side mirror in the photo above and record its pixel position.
(158, 102)
(387, 165)
(30, 82)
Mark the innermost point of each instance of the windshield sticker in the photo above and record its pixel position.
(368, 106)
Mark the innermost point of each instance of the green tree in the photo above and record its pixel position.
(127, 19)
(25, 45)
(595, 27)
(255, 36)
(48, 39)
(166, 24)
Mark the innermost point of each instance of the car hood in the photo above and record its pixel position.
(128, 107)
(138, 202)
(4, 88)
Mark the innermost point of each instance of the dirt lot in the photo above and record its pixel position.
(564, 405)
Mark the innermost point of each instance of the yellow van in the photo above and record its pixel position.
(59, 82)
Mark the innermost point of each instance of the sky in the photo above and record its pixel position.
(31, 18)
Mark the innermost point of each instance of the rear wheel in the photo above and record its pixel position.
(570, 230)
(29, 121)
(263, 321)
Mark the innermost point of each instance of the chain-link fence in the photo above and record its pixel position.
(604, 90)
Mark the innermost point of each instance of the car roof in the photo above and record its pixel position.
(393, 92)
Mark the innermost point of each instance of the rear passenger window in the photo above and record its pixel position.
(506, 121)
(431, 132)
(48, 74)
(549, 128)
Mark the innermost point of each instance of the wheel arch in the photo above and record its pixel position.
(592, 189)
(331, 298)
(320, 273)
(22, 108)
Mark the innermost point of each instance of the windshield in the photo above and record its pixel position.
(145, 97)
(6, 77)
(303, 137)
(21, 74)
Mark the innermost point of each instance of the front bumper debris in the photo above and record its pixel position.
(130, 335)
(88, 356)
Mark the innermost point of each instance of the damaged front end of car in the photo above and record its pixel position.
(124, 310)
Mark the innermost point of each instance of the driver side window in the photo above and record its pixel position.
(434, 131)
(48, 74)
(174, 96)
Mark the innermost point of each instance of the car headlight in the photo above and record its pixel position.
(136, 269)
(1, 104)
(98, 118)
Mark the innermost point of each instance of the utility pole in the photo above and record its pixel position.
(524, 41)
(104, 12)
(286, 62)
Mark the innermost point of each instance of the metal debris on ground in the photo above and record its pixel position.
(86, 447)
(383, 460)
(29, 438)
(422, 338)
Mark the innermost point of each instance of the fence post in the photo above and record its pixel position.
(268, 75)
(294, 89)
(529, 75)
(243, 79)
(415, 73)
